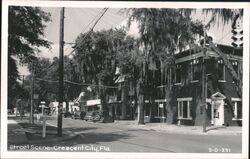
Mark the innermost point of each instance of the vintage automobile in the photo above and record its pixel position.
(67, 114)
(101, 116)
(78, 115)
(89, 116)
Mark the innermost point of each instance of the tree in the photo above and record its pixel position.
(71, 74)
(45, 78)
(162, 33)
(97, 57)
(26, 31)
(128, 62)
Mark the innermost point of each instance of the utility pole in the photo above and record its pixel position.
(60, 93)
(32, 95)
(204, 116)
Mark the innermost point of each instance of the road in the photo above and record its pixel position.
(119, 138)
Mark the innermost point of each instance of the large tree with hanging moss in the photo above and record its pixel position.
(25, 35)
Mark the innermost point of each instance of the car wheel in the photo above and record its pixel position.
(102, 119)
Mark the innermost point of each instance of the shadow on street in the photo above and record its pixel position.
(94, 138)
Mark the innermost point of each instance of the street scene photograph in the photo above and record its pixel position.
(127, 80)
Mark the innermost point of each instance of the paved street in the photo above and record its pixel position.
(118, 138)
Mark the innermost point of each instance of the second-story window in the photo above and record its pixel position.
(235, 66)
(194, 70)
(178, 74)
(221, 70)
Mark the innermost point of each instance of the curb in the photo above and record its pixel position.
(196, 133)
(181, 132)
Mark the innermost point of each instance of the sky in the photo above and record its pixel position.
(77, 21)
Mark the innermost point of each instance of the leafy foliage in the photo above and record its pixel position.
(97, 53)
(25, 35)
(223, 15)
(100, 54)
(162, 33)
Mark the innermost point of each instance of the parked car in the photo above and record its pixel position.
(78, 115)
(97, 115)
(101, 116)
(10, 111)
(67, 114)
(88, 116)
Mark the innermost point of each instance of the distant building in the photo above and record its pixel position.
(54, 107)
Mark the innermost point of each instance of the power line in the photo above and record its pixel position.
(92, 21)
(104, 11)
(106, 22)
(45, 80)
(91, 29)
(75, 83)
(95, 17)
(86, 84)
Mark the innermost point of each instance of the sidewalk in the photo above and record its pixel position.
(16, 134)
(22, 132)
(191, 130)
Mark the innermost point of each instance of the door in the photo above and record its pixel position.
(217, 112)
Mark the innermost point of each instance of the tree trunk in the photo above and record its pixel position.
(168, 94)
(152, 97)
(124, 99)
(168, 106)
(230, 68)
(67, 106)
(135, 106)
(141, 101)
(102, 95)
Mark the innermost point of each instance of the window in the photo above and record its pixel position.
(235, 66)
(178, 74)
(161, 91)
(147, 109)
(161, 107)
(237, 108)
(194, 70)
(221, 70)
(184, 109)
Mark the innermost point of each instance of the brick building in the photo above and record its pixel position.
(177, 97)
